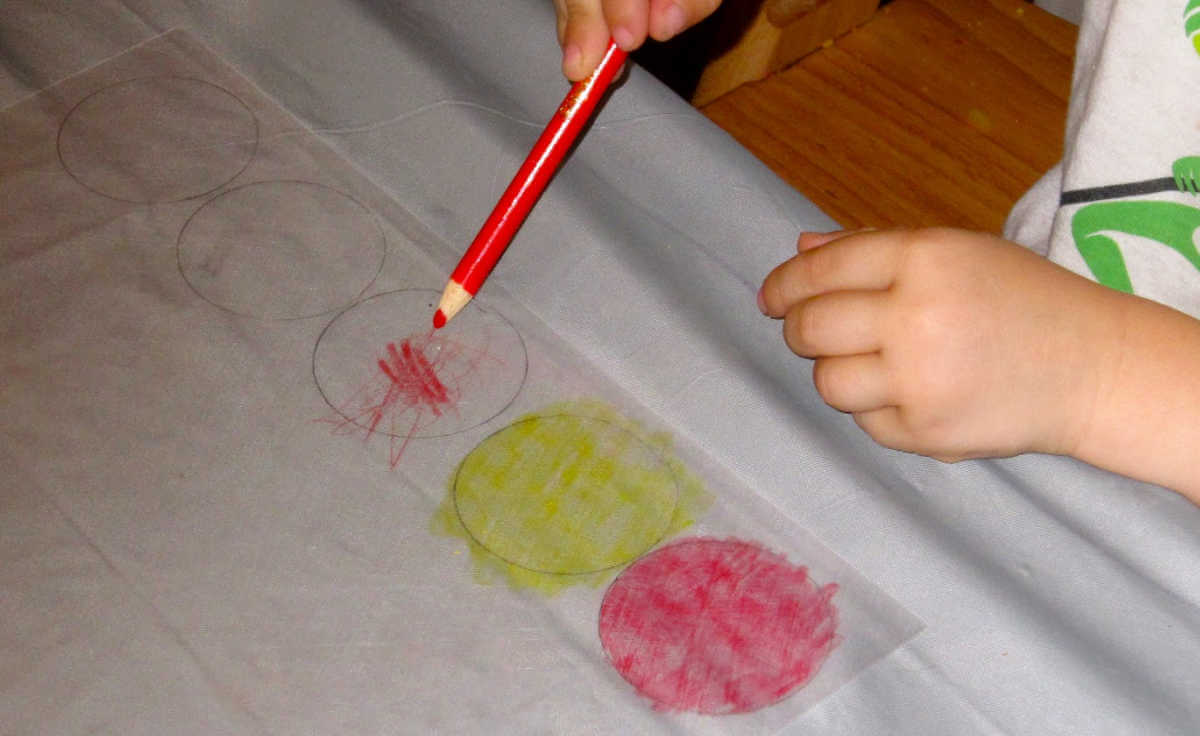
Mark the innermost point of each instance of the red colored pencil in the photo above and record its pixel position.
(531, 179)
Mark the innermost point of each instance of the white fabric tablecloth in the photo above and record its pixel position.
(209, 209)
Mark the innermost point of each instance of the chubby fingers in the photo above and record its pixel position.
(669, 18)
(837, 323)
(810, 240)
(628, 21)
(583, 33)
(584, 27)
(850, 372)
(844, 331)
(865, 261)
(855, 384)
(834, 299)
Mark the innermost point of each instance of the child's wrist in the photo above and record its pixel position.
(1093, 364)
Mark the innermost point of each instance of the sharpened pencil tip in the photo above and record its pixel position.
(439, 320)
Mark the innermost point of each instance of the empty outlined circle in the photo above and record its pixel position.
(157, 139)
(566, 495)
(281, 250)
(384, 370)
(717, 626)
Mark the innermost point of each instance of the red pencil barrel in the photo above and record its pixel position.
(535, 173)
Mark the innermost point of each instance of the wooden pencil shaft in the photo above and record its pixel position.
(535, 173)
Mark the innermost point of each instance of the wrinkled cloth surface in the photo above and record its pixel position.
(193, 540)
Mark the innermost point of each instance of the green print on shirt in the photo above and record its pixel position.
(1191, 23)
(1169, 223)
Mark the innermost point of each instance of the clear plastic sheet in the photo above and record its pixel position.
(158, 576)
(263, 426)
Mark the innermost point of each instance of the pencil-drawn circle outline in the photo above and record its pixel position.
(572, 573)
(417, 436)
(66, 118)
(355, 300)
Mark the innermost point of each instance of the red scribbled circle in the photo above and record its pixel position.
(717, 626)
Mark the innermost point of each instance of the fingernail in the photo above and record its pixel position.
(762, 301)
(571, 57)
(674, 19)
(623, 38)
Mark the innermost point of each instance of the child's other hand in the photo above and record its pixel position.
(584, 26)
(948, 343)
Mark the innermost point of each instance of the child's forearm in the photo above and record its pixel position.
(1145, 416)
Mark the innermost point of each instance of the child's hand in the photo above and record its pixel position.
(584, 26)
(948, 343)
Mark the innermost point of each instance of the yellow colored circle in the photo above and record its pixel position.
(565, 494)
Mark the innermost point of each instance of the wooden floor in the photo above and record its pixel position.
(935, 112)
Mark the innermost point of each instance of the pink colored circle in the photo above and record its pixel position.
(717, 626)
